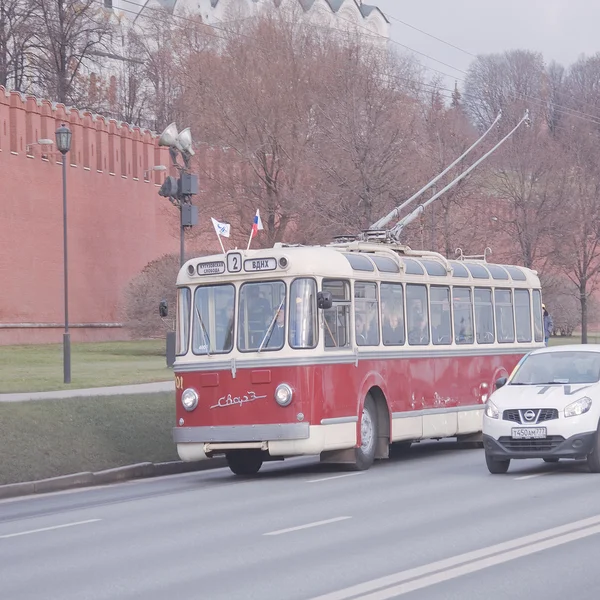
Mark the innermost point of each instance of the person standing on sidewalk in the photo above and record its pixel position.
(548, 324)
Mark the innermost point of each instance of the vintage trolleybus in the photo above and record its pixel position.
(342, 350)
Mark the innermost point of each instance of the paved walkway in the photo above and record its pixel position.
(141, 388)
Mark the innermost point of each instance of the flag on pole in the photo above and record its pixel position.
(223, 229)
(257, 224)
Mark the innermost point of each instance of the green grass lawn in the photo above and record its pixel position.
(49, 438)
(40, 368)
(593, 338)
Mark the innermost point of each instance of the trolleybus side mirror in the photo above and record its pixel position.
(501, 381)
(324, 300)
(163, 308)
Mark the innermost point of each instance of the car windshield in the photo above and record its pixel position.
(558, 367)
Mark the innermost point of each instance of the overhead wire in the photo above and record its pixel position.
(524, 96)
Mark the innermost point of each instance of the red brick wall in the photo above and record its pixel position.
(117, 223)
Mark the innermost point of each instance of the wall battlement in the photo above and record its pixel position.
(117, 223)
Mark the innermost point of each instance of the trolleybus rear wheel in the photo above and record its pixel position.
(244, 462)
(365, 453)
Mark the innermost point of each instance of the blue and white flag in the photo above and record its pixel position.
(222, 229)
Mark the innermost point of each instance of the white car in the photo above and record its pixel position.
(549, 408)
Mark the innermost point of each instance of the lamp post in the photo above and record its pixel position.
(63, 143)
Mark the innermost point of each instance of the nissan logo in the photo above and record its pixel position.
(529, 415)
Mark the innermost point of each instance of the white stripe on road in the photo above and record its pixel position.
(332, 477)
(524, 545)
(484, 563)
(522, 477)
(307, 526)
(11, 535)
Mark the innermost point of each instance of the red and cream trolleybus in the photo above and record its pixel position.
(341, 350)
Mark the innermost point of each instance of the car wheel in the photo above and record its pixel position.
(495, 466)
(551, 460)
(593, 458)
(244, 462)
(365, 453)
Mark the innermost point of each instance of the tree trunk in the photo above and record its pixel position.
(584, 312)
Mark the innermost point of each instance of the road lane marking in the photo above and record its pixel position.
(484, 563)
(307, 526)
(12, 535)
(357, 591)
(523, 477)
(332, 477)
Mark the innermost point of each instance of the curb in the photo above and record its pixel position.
(88, 479)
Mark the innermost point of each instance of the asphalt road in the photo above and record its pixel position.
(434, 525)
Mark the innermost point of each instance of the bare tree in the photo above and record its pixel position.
(16, 43)
(508, 82)
(367, 127)
(254, 98)
(577, 235)
(69, 36)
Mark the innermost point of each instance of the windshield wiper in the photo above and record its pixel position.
(204, 332)
(269, 331)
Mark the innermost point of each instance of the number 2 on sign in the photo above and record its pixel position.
(178, 382)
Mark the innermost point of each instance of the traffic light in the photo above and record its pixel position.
(169, 189)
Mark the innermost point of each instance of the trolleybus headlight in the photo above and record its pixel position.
(578, 407)
(283, 394)
(491, 410)
(189, 399)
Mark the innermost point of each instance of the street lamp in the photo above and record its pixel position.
(154, 168)
(63, 143)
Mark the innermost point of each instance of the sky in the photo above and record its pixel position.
(562, 30)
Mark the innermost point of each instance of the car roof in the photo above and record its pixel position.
(569, 348)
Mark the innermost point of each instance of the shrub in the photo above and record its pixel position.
(156, 282)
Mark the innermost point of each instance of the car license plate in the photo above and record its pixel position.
(528, 433)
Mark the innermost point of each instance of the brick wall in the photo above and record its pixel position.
(117, 223)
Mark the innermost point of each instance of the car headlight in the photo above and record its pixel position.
(491, 410)
(189, 399)
(578, 407)
(283, 394)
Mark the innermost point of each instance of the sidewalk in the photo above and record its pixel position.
(141, 388)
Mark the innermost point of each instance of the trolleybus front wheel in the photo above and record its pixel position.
(244, 462)
(365, 453)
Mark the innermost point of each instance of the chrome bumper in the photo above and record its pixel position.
(241, 433)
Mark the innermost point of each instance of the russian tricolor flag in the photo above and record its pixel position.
(257, 224)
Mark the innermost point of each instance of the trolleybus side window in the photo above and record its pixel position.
(484, 316)
(417, 314)
(463, 315)
(336, 320)
(505, 321)
(392, 313)
(366, 314)
(538, 323)
(441, 327)
(523, 314)
(183, 320)
(262, 316)
(213, 319)
(303, 314)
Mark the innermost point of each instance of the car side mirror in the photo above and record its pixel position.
(163, 308)
(501, 382)
(324, 300)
